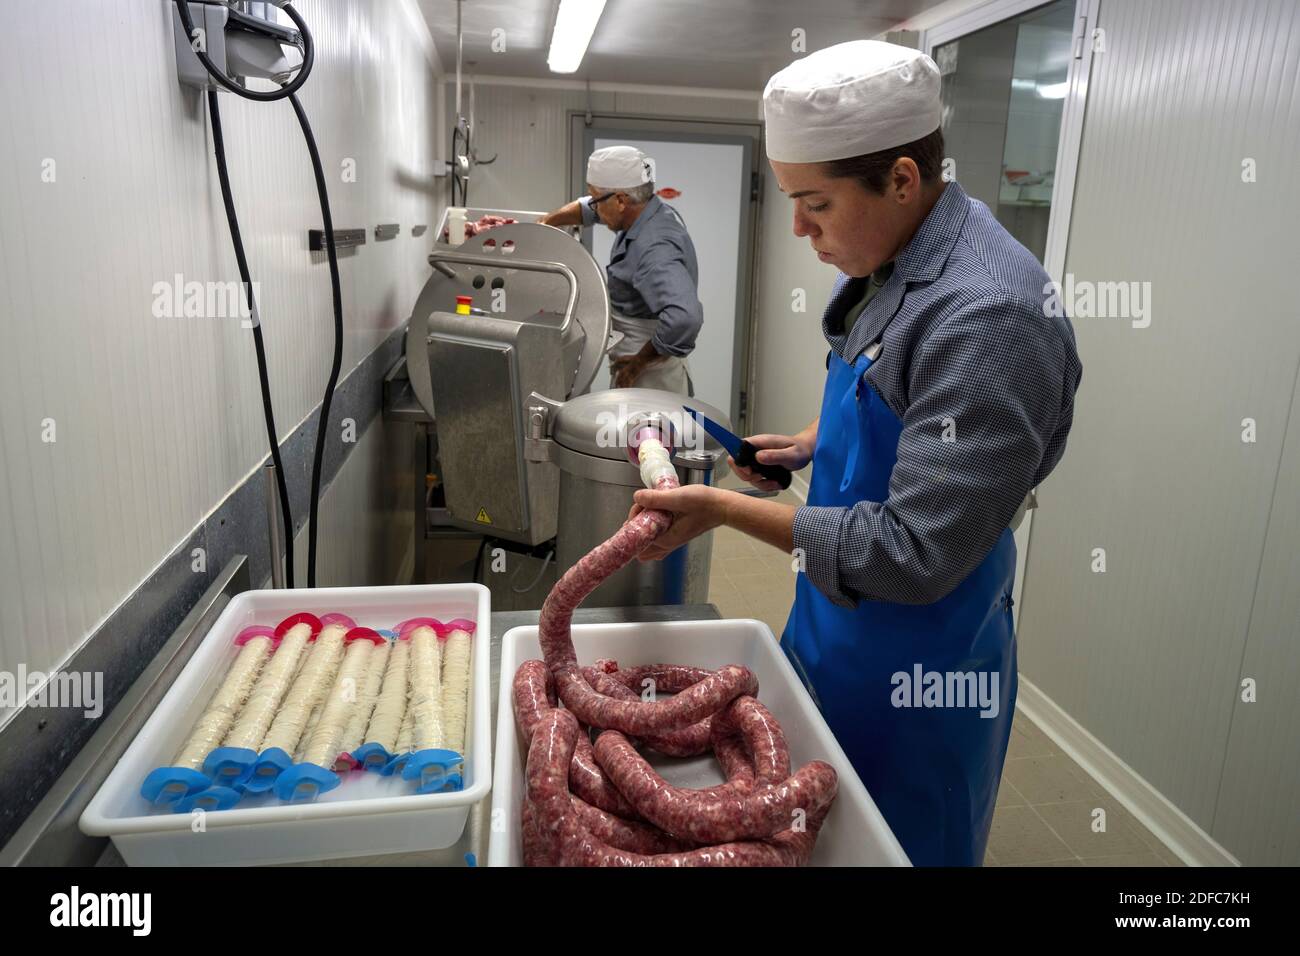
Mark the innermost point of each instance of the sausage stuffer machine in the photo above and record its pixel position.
(533, 341)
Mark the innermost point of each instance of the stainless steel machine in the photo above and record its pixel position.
(591, 440)
(524, 453)
(538, 320)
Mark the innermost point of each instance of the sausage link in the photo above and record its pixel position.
(590, 783)
(579, 847)
(762, 735)
(536, 853)
(688, 742)
(666, 678)
(547, 778)
(692, 705)
(534, 697)
(736, 766)
(549, 801)
(641, 719)
(585, 576)
(716, 816)
(557, 828)
(630, 835)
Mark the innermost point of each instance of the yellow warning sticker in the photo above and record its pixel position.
(482, 516)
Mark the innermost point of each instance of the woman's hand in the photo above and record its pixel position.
(792, 451)
(695, 510)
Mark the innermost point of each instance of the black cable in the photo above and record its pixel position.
(455, 170)
(219, 147)
(287, 91)
(337, 292)
(308, 58)
(456, 178)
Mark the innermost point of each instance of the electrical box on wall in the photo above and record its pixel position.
(241, 44)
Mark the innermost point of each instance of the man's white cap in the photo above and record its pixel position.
(619, 167)
(850, 99)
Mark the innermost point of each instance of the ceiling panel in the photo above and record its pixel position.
(730, 44)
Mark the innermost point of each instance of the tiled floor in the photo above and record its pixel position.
(749, 579)
(1047, 805)
(1048, 813)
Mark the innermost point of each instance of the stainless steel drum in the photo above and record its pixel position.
(587, 438)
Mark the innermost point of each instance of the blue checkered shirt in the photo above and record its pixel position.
(964, 337)
(653, 274)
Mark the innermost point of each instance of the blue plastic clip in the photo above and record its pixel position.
(213, 798)
(434, 770)
(268, 768)
(304, 782)
(228, 766)
(168, 784)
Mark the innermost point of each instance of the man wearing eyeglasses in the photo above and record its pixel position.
(653, 275)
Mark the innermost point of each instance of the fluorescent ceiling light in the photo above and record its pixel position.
(574, 24)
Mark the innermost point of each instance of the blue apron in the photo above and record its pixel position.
(932, 771)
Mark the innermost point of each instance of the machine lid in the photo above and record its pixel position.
(598, 423)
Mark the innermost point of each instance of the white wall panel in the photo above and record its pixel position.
(158, 418)
(366, 533)
(1256, 812)
(1147, 656)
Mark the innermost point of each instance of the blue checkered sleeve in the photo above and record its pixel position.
(984, 405)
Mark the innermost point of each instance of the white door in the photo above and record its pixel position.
(710, 184)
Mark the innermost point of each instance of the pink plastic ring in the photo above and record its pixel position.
(460, 624)
(365, 634)
(303, 617)
(345, 763)
(334, 617)
(257, 630)
(407, 626)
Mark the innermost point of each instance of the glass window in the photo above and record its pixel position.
(1003, 94)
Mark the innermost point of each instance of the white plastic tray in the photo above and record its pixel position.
(855, 833)
(367, 814)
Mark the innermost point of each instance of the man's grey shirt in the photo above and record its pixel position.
(968, 346)
(653, 274)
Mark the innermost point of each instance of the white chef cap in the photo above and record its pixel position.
(619, 167)
(849, 100)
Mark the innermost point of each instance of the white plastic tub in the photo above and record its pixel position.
(855, 833)
(367, 814)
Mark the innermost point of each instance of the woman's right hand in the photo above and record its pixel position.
(792, 451)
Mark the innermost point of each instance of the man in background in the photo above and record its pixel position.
(653, 275)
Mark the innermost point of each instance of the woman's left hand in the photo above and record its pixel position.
(695, 510)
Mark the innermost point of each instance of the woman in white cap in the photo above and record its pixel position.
(949, 395)
(653, 274)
